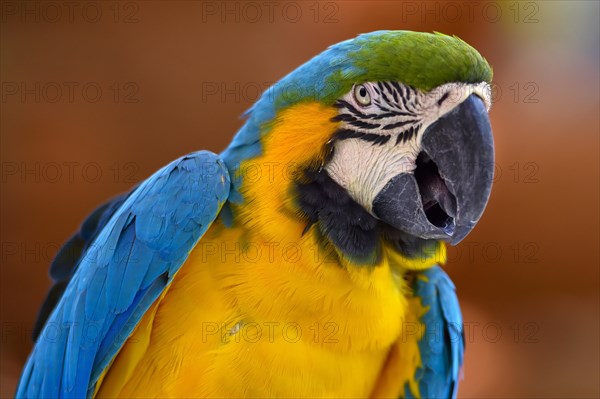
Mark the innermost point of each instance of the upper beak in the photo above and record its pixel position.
(447, 193)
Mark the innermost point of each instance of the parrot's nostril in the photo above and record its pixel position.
(438, 202)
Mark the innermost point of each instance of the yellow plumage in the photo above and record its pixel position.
(262, 310)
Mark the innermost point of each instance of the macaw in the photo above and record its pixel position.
(302, 261)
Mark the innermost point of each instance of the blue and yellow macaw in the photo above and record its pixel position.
(302, 260)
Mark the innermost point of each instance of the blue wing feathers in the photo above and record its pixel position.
(65, 263)
(126, 322)
(442, 346)
(137, 247)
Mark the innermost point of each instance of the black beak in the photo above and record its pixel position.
(447, 193)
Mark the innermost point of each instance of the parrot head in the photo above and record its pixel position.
(390, 136)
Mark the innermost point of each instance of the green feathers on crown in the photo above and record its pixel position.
(421, 60)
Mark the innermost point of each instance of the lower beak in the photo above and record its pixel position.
(449, 189)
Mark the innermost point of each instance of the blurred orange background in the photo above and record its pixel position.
(98, 95)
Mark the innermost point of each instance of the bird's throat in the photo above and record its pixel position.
(333, 215)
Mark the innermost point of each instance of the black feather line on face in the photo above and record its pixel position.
(358, 114)
(443, 98)
(400, 138)
(351, 120)
(399, 124)
(364, 125)
(343, 118)
(383, 91)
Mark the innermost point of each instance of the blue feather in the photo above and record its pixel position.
(442, 346)
(122, 272)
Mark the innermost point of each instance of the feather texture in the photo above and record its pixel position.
(67, 259)
(120, 274)
(442, 346)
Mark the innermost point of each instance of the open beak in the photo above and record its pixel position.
(446, 194)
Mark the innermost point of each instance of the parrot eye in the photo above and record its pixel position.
(361, 95)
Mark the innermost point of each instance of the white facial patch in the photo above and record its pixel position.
(380, 132)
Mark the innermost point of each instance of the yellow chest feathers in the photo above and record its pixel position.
(254, 318)
(265, 310)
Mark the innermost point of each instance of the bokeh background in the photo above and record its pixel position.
(98, 95)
